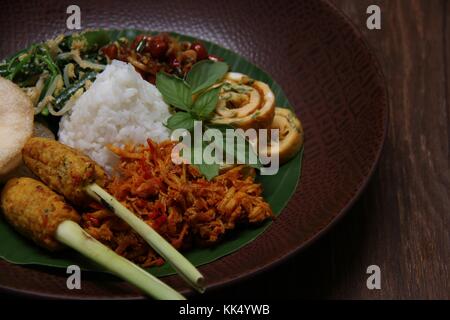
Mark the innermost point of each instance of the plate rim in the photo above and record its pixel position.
(287, 255)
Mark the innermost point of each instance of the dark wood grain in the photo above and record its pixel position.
(401, 222)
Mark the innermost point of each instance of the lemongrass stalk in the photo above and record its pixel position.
(72, 235)
(186, 270)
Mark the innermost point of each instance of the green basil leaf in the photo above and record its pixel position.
(181, 120)
(175, 91)
(204, 74)
(240, 143)
(206, 103)
(222, 127)
(208, 170)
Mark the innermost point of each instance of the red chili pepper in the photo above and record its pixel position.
(141, 203)
(152, 149)
(162, 219)
(110, 51)
(159, 221)
(150, 145)
(154, 215)
(159, 205)
(147, 172)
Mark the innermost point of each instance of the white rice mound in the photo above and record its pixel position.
(119, 108)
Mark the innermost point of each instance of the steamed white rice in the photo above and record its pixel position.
(120, 107)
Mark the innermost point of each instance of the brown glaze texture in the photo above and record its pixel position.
(326, 70)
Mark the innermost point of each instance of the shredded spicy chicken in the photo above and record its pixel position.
(176, 200)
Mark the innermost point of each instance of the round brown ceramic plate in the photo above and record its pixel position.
(323, 65)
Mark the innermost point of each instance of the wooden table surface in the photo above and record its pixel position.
(401, 222)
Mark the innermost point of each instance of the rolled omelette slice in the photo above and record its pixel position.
(244, 103)
(290, 135)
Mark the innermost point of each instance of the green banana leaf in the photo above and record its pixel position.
(278, 189)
